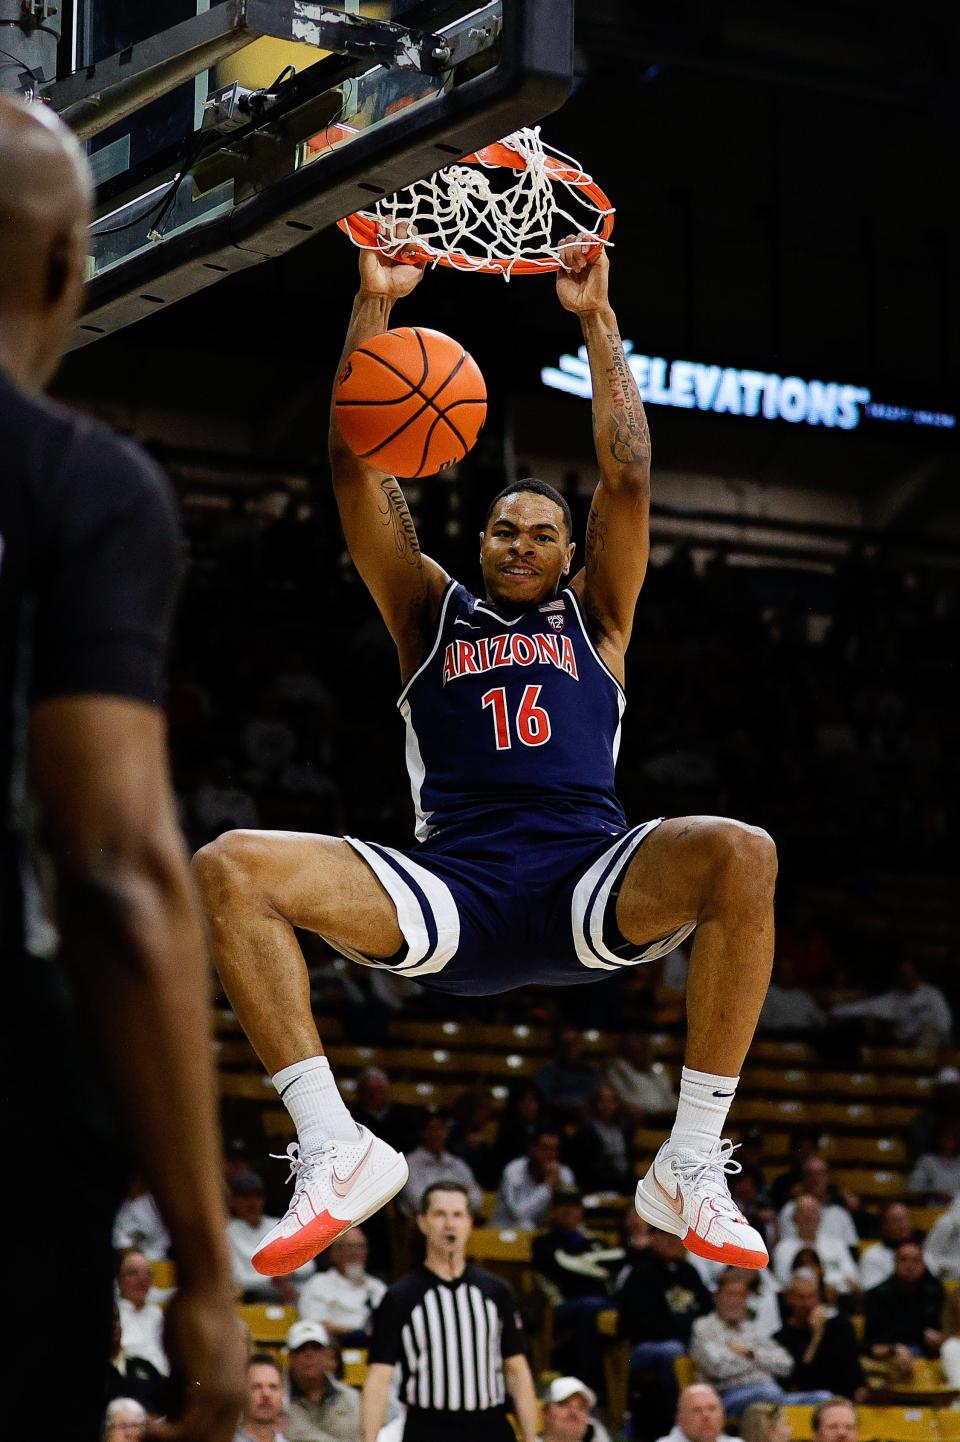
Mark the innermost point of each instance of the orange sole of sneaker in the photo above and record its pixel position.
(730, 1255)
(282, 1258)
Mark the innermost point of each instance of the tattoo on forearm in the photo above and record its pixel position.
(630, 434)
(396, 515)
(596, 540)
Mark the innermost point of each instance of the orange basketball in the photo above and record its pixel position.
(411, 401)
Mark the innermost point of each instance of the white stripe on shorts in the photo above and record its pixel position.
(392, 874)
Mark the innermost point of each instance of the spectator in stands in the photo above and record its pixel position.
(700, 1416)
(264, 1403)
(902, 1315)
(573, 1270)
(528, 1183)
(787, 1184)
(821, 1342)
(431, 1162)
(138, 1224)
(950, 1350)
(396, 1122)
(141, 1321)
(321, 1408)
(659, 1298)
(839, 1269)
(789, 1010)
(134, 1377)
(941, 1251)
(246, 1229)
(835, 1421)
(876, 1263)
(125, 1420)
(914, 1013)
(636, 1235)
(523, 1114)
(645, 1090)
(765, 1422)
(937, 1173)
(472, 1135)
(737, 1357)
(567, 1081)
(815, 1181)
(343, 1297)
(567, 1404)
(601, 1146)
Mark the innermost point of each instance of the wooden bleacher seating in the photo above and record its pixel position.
(354, 1366)
(164, 1274)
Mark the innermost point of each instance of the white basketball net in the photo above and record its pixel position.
(458, 213)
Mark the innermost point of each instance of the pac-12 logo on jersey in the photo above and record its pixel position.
(555, 620)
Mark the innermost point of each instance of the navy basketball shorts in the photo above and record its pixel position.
(516, 899)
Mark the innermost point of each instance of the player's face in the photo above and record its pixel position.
(525, 549)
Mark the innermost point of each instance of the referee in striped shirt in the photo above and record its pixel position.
(456, 1333)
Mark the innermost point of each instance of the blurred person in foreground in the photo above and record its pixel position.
(321, 1408)
(111, 1025)
(835, 1421)
(263, 1404)
(700, 1416)
(567, 1405)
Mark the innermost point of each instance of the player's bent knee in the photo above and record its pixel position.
(227, 865)
(748, 854)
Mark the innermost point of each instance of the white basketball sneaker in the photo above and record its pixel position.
(686, 1192)
(336, 1186)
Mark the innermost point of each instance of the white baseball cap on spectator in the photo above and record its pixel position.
(562, 1388)
(302, 1332)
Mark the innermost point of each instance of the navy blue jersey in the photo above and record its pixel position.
(514, 714)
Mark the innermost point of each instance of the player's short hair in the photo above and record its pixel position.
(539, 488)
(443, 1186)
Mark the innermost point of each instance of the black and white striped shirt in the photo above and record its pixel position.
(450, 1339)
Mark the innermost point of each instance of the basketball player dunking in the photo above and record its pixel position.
(525, 868)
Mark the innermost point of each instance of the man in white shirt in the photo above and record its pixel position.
(430, 1162)
(528, 1183)
(567, 1404)
(836, 1221)
(138, 1224)
(737, 1356)
(343, 1297)
(246, 1229)
(941, 1251)
(839, 1269)
(644, 1089)
(141, 1321)
(700, 1416)
(876, 1263)
(915, 1013)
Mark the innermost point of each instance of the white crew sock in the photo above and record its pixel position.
(309, 1093)
(704, 1102)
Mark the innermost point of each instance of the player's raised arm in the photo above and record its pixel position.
(618, 531)
(406, 585)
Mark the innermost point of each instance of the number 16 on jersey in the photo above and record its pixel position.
(531, 725)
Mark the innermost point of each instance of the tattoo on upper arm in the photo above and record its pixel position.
(630, 438)
(396, 515)
(596, 540)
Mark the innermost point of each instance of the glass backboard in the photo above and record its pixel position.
(223, 133)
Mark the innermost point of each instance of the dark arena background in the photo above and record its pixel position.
(785, 268)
